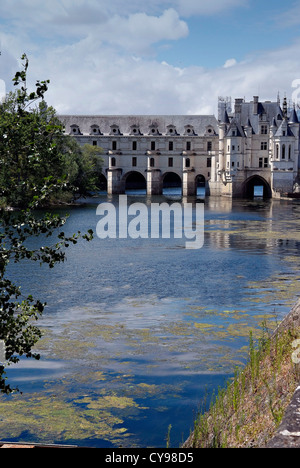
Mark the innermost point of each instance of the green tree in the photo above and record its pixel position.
(32, 169)
(83, 167)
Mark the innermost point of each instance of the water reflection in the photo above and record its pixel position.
(138, 331)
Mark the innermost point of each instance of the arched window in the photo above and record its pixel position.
(152, 162)
(283, 151)
(113, 162)
(277, 151)
(187, 162)
(290, 152)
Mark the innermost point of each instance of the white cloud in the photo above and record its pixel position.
(100, 65)
(230, 63)
(89, 80)
(138, 31)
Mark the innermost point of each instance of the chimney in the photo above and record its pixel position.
(238, 106)
(255, 105)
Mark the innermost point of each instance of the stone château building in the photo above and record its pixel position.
(255, 145)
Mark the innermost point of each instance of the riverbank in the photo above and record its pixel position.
(258, 407)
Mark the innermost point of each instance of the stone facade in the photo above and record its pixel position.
(256, 145)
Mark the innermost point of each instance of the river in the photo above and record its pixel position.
(139, 333)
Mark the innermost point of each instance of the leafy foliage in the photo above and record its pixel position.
(35, 158)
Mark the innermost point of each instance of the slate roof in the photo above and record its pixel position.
(144, 122)
(267, 113)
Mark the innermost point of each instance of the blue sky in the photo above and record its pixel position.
(163, 56)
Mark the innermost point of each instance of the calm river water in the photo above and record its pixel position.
(139, 333)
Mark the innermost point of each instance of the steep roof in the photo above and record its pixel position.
(144, 122)
(284, 130)
(235, 126)
(267, 112)
(293, 117)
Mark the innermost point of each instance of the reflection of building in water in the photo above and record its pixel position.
(256, 145)
(256, 235)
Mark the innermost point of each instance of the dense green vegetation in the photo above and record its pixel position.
(247, 413)
(39, 165)
(36, 155)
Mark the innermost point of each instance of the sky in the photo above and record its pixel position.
(113, 57)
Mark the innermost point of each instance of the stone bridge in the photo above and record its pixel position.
(150, 152)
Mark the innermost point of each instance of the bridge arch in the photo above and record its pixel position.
(102, 183)
(251, 185)
(133, 180)
(200, 184)
(171, 180)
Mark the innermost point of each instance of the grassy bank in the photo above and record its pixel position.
(249, 410)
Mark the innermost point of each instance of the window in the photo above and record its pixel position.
(152, 145)
(170, 163)
(283, 151)
(188, 146)
(277, 151)
(113, 162)
(209, 146)
(264, 145)
(95, 143)
(283, 133)
(187, 162)
(264, 130)
(171, 146)
(233, 147)
(208, 162)
(114, 145)
(232, 164)
(263, 162)
(134, 146)
(134, 161)
(152, 162)
(290, 152)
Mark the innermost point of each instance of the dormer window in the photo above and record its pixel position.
(135, 130)
(189, 130)
(153, 129)
(115, 130)
(95, 130)
(75, 130)
(171, 130)
(264, 129)
(209, 131)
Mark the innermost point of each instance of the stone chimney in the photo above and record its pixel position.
(255, 105)
(238, 106)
